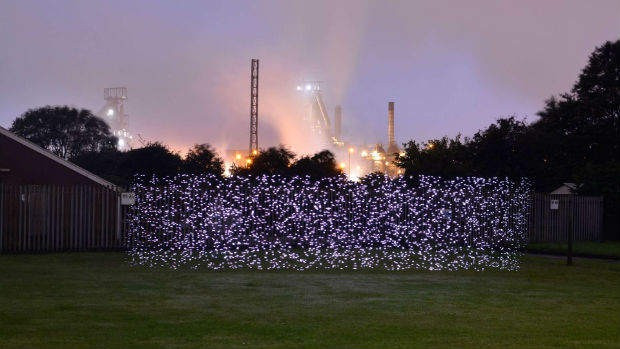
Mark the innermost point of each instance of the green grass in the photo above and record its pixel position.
(98, 300)
(585, 248)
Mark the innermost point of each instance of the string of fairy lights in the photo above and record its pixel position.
(274, 222)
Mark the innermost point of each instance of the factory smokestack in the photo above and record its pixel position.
(338, 123)
(390, 123)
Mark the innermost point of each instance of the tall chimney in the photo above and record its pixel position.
(338, 123)
(390, 123)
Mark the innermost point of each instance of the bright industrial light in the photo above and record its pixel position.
(110, 112)
(299, 88)
(431, 146)
(254, 152)
(351, 150)
(121, 142)
(249, 161)
(238, 156)
(308, 87)
(364, 153)
(342, 165)
(402, 153)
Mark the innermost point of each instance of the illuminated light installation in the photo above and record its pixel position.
(275, 222)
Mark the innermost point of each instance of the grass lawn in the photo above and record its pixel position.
(584, 248)
(98, 300)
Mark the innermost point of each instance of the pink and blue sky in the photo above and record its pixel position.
(450, 66)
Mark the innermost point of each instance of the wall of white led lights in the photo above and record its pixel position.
(275, 222)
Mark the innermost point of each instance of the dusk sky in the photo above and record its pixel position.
(450, 66)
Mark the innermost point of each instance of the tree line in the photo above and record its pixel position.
(575, 139)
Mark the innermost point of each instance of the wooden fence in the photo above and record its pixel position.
(38, 218)
(548, 224)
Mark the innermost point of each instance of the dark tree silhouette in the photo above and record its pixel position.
(121, 167)
(440, 157)
(65, 131)
(105, 164)
(153, 159)
(321, 164)
(274, 160)
(203, 159)
(506, 148)
(583, 124)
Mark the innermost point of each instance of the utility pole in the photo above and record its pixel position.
(254, 108)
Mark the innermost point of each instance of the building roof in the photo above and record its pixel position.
(57, 159)
(565, 189)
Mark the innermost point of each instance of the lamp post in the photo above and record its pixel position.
(351, 150)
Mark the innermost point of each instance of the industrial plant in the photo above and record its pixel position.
(113, 112)
(356, 160)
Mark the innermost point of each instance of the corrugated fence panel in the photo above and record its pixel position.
(45, 218)
(546, 224)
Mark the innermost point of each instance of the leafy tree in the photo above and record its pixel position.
(120, 167)
(153, 159)
(203, 159)
(583, 124)
(105, 164)
(321, 164)
(507, 148)
(65, 131)
(274, 160)
(440, 157)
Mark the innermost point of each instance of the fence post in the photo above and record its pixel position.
(569, 252)
(118, 216)
(1, 216)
